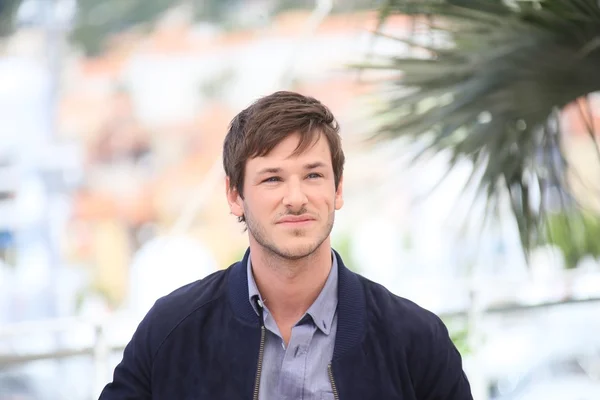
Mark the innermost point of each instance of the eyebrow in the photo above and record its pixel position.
(315, 165)
(269, 171)
(274, 170)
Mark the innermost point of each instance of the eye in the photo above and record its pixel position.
(272, 179)
(314, 175)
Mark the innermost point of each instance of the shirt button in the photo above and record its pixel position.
(300, 350)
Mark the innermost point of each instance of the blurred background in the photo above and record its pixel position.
(112, 118)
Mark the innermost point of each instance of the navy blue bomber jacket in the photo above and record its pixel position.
(203, 342)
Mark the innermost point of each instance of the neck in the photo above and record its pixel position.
(289, 287)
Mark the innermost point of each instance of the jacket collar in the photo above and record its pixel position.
(352, 313)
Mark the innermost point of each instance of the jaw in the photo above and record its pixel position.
(290, 245)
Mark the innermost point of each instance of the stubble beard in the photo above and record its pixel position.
(259, 234)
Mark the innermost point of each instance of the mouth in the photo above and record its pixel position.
(295, 221)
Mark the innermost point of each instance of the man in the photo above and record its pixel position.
(289, 321)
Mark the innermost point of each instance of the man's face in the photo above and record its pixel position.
(289, 201)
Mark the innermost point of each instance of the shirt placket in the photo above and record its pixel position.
(293, 369)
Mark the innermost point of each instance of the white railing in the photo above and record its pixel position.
(100, 345)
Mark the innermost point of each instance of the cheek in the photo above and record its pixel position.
(263, 202)
(323, 202)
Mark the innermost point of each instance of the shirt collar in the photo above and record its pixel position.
(323, 309)
(253, 293)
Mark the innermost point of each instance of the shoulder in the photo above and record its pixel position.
(170, 311)
(194, 295)
(435, 365)
(400, 316)
(133, 376)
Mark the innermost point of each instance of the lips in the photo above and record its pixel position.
(295, 219)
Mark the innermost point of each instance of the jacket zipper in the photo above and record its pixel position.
(336, 396)
(261, 351)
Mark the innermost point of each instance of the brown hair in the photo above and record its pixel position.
(256, 130)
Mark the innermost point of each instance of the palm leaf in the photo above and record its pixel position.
(490, 91)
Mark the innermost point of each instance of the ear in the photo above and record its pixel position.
(234, 199)
(339, 198)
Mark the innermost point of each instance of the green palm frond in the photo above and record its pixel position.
(487, 84)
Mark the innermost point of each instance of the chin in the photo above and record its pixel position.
(295, 251)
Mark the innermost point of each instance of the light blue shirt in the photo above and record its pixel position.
(300, 370)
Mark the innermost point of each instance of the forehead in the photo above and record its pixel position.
(283, 153)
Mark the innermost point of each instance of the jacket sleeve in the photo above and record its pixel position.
(437, 366)
(132, 376)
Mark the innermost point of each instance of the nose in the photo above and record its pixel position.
(295, 199)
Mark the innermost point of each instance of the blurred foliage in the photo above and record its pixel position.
(96, 21)
(342, 243)
(576, 235)
(485, 80)
(108, 295)
(459, 334)
(8, 9)
(338, 6)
